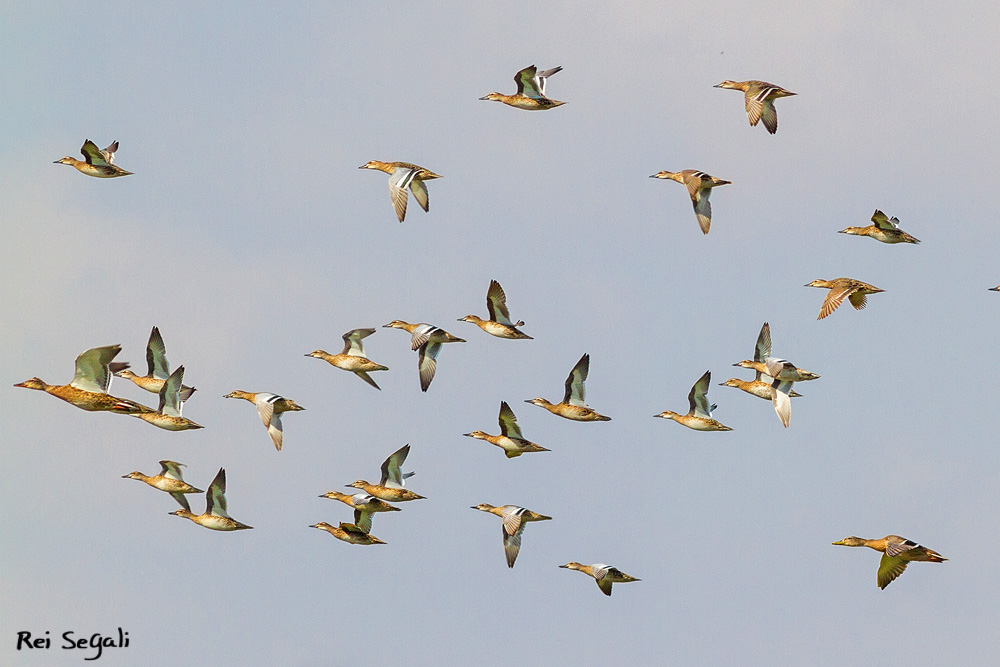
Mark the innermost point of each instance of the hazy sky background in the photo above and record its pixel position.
(250, 238)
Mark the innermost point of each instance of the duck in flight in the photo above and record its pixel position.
(499, 324)
(885, 229)
(91, 381)
(604, 575)
(573, 405)
(759, 97)
(853, 290)
(699, 186)
(510, 439)
(391, 486)
(364, 505)
(353, 358)
(168, 414)
(760, 386)
(215, 516)
(530, 94)
(348, 532)
(269, 408)
(169, 479)
(783, 373)
(699, 415)
(158, 368)
(427, 340)
(514, 520)
(97, 163)
(897, 553)
(403, 175)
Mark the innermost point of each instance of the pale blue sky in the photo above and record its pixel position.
(249, 237)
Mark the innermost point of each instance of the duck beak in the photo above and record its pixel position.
(839, 542)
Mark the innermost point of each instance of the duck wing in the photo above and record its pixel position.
(352, 342)
(889, 568)
(92, 369)
(367, 378)
(392, 475)
(525, 80)
(363, 520)
(763, 348)
(272, 420)
(156, 356)
(754, 108)
(834, 298)
(542, 77)
(181, 499)
(109, 151)
(702, 208)
(859, 300)
(427, 363)
(601, 572)
(215, 497)
(698, 398)
(781, 401)
(513, 528)
(172, 470)
(576, 393)
(170, 394)
(496, 303)
(399, 181)
(769, 115)
(93, 155)
(883, 222)
(419, 190)
(275, 430)
(421, 334)
(508, 422)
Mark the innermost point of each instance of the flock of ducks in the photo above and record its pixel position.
(774, 377)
